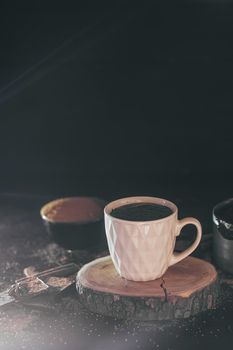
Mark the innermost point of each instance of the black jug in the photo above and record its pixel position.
(223, 235)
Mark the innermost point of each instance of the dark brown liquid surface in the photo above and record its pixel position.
(141, 212)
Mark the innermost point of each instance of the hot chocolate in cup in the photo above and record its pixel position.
(141, 241)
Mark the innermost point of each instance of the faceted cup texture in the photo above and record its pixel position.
(141, 251)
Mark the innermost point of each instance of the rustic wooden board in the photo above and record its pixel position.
(187, 288)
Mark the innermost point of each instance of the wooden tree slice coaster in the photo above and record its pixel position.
(187, 288)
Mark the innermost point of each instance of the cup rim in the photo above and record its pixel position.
(140, 199)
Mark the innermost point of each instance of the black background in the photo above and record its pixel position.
(119, 98)
(114, 99)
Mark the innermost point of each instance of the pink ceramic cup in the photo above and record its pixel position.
(143, 250)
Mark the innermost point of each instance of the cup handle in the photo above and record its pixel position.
(176, 257)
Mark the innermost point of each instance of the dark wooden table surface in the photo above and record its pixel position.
(65, 323)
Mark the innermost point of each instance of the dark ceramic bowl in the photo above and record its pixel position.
(84, 232)
(223, 235)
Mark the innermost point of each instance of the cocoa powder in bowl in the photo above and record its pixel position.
(75, 222)
(74, 209)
